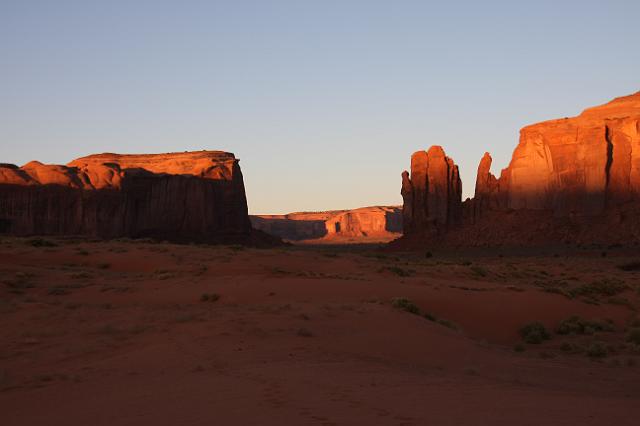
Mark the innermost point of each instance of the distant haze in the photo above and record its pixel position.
(324, 102)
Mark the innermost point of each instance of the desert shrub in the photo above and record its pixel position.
(213, 297)
(622, 301)
(405, 304)
(633, 336)
(478, 270)
(58, 291)
(444, 322)
(519, 347)
(80, 275)
(447, 323)
(401, 272)
(597, 349)
(185, 317)
(603, 287)
(428, 255)
(577, 325)
(571, 348)
(41, 242)
(430, 317)
(534, 332)
(631, 266)
(303, 332)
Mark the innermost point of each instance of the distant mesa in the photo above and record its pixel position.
(190, 196)
(366, 224)
(572, 180)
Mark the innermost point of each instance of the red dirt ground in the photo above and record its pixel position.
(116, 333)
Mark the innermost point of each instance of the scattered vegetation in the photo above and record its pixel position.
(571, 348)
(602, 287)
(519, 347)
(534, 333)
(41, 242)
(590, 291)
(401, 272)
(405, 304)
(331, 254)
(577, 325)
(186, 317)
(633, 336)
(478, 270)
(631, 266)
(58, 291)
(19, 283)
(597, 349)
(622, 301)
(444, 322)
(163, 274)
(80, 275)
(213, 297)
(303, 332)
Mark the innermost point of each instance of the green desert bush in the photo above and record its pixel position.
(571, 348)
(444, 322)
(478, 270)
(633, 336)
(534, 332)
(631, 266)
(401, 272)
(41, 242)
(603, 287)
(213, 297)
(519, 347)
(597, 349)
(303, 332)
(577, 325)
(405, 304)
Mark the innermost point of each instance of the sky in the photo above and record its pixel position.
(323, 102)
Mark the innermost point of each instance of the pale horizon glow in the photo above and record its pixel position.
(323, 102)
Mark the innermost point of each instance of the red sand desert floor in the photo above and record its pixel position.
(120, 333)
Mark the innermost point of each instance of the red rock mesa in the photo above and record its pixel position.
(569, 180)
(379, 223)
(191, 196)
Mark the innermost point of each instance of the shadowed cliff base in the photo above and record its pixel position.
(570, 181)
(180, 197)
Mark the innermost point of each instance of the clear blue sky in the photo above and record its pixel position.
(323, 101)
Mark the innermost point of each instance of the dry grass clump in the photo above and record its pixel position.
(534, 332)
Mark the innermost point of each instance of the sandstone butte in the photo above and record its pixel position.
(571, 180)
(190, 196)
(377, 223)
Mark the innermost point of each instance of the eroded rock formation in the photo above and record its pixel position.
(192, 196)
(381, 223)
(569, 180)
(432, 194)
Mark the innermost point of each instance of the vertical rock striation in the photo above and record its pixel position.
(573, 179)
(432, 193)
(192, 196)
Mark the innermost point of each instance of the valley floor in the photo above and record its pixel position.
(133, 333)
